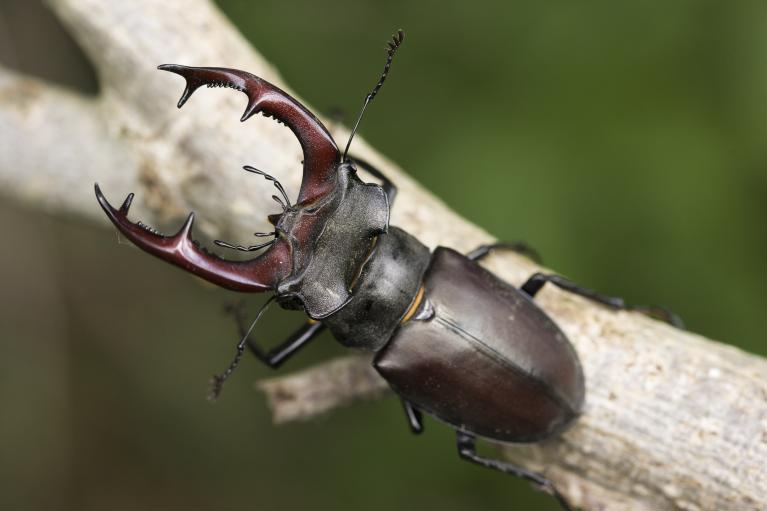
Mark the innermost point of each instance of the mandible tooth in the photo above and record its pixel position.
(126, 204)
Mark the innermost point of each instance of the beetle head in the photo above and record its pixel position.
(321, 241)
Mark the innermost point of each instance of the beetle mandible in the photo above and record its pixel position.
(451, 339)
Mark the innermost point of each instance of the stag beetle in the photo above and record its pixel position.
(452, 339)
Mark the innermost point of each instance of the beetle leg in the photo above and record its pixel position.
(467, 450)
(390, 189)
(278, 355)
(519, 247)
(413, 416)
(536, 282)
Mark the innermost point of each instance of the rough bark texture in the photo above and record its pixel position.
(672, 420)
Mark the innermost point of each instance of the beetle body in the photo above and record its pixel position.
(451, 338)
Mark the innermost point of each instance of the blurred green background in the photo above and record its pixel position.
(625, 141)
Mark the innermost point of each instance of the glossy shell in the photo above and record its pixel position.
(481, 356)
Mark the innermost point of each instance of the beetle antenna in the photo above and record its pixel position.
(241, 248)
(219, 379)
(273, 180)
(278, 201)
(391, 49)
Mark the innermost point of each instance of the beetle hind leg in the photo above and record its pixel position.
(467, 449)
(537, 281)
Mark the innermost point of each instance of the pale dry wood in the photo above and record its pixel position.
(672, 420)
(53, 141)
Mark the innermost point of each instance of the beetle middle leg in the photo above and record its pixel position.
(413, 416)
(519, 247)
(278, 355)
(537, 281)
(467, 449)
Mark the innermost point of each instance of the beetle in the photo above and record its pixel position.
(452, 340)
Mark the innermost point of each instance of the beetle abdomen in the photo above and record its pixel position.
(485, 359)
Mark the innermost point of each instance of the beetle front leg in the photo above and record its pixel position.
(278, 355)
(467, 449)
(537, 281)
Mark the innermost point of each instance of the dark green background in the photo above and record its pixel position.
(625, 141)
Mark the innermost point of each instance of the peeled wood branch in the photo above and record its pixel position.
(672, 420)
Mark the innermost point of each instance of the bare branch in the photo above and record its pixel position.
(340, 382)
(672, 420)
(53, 145)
